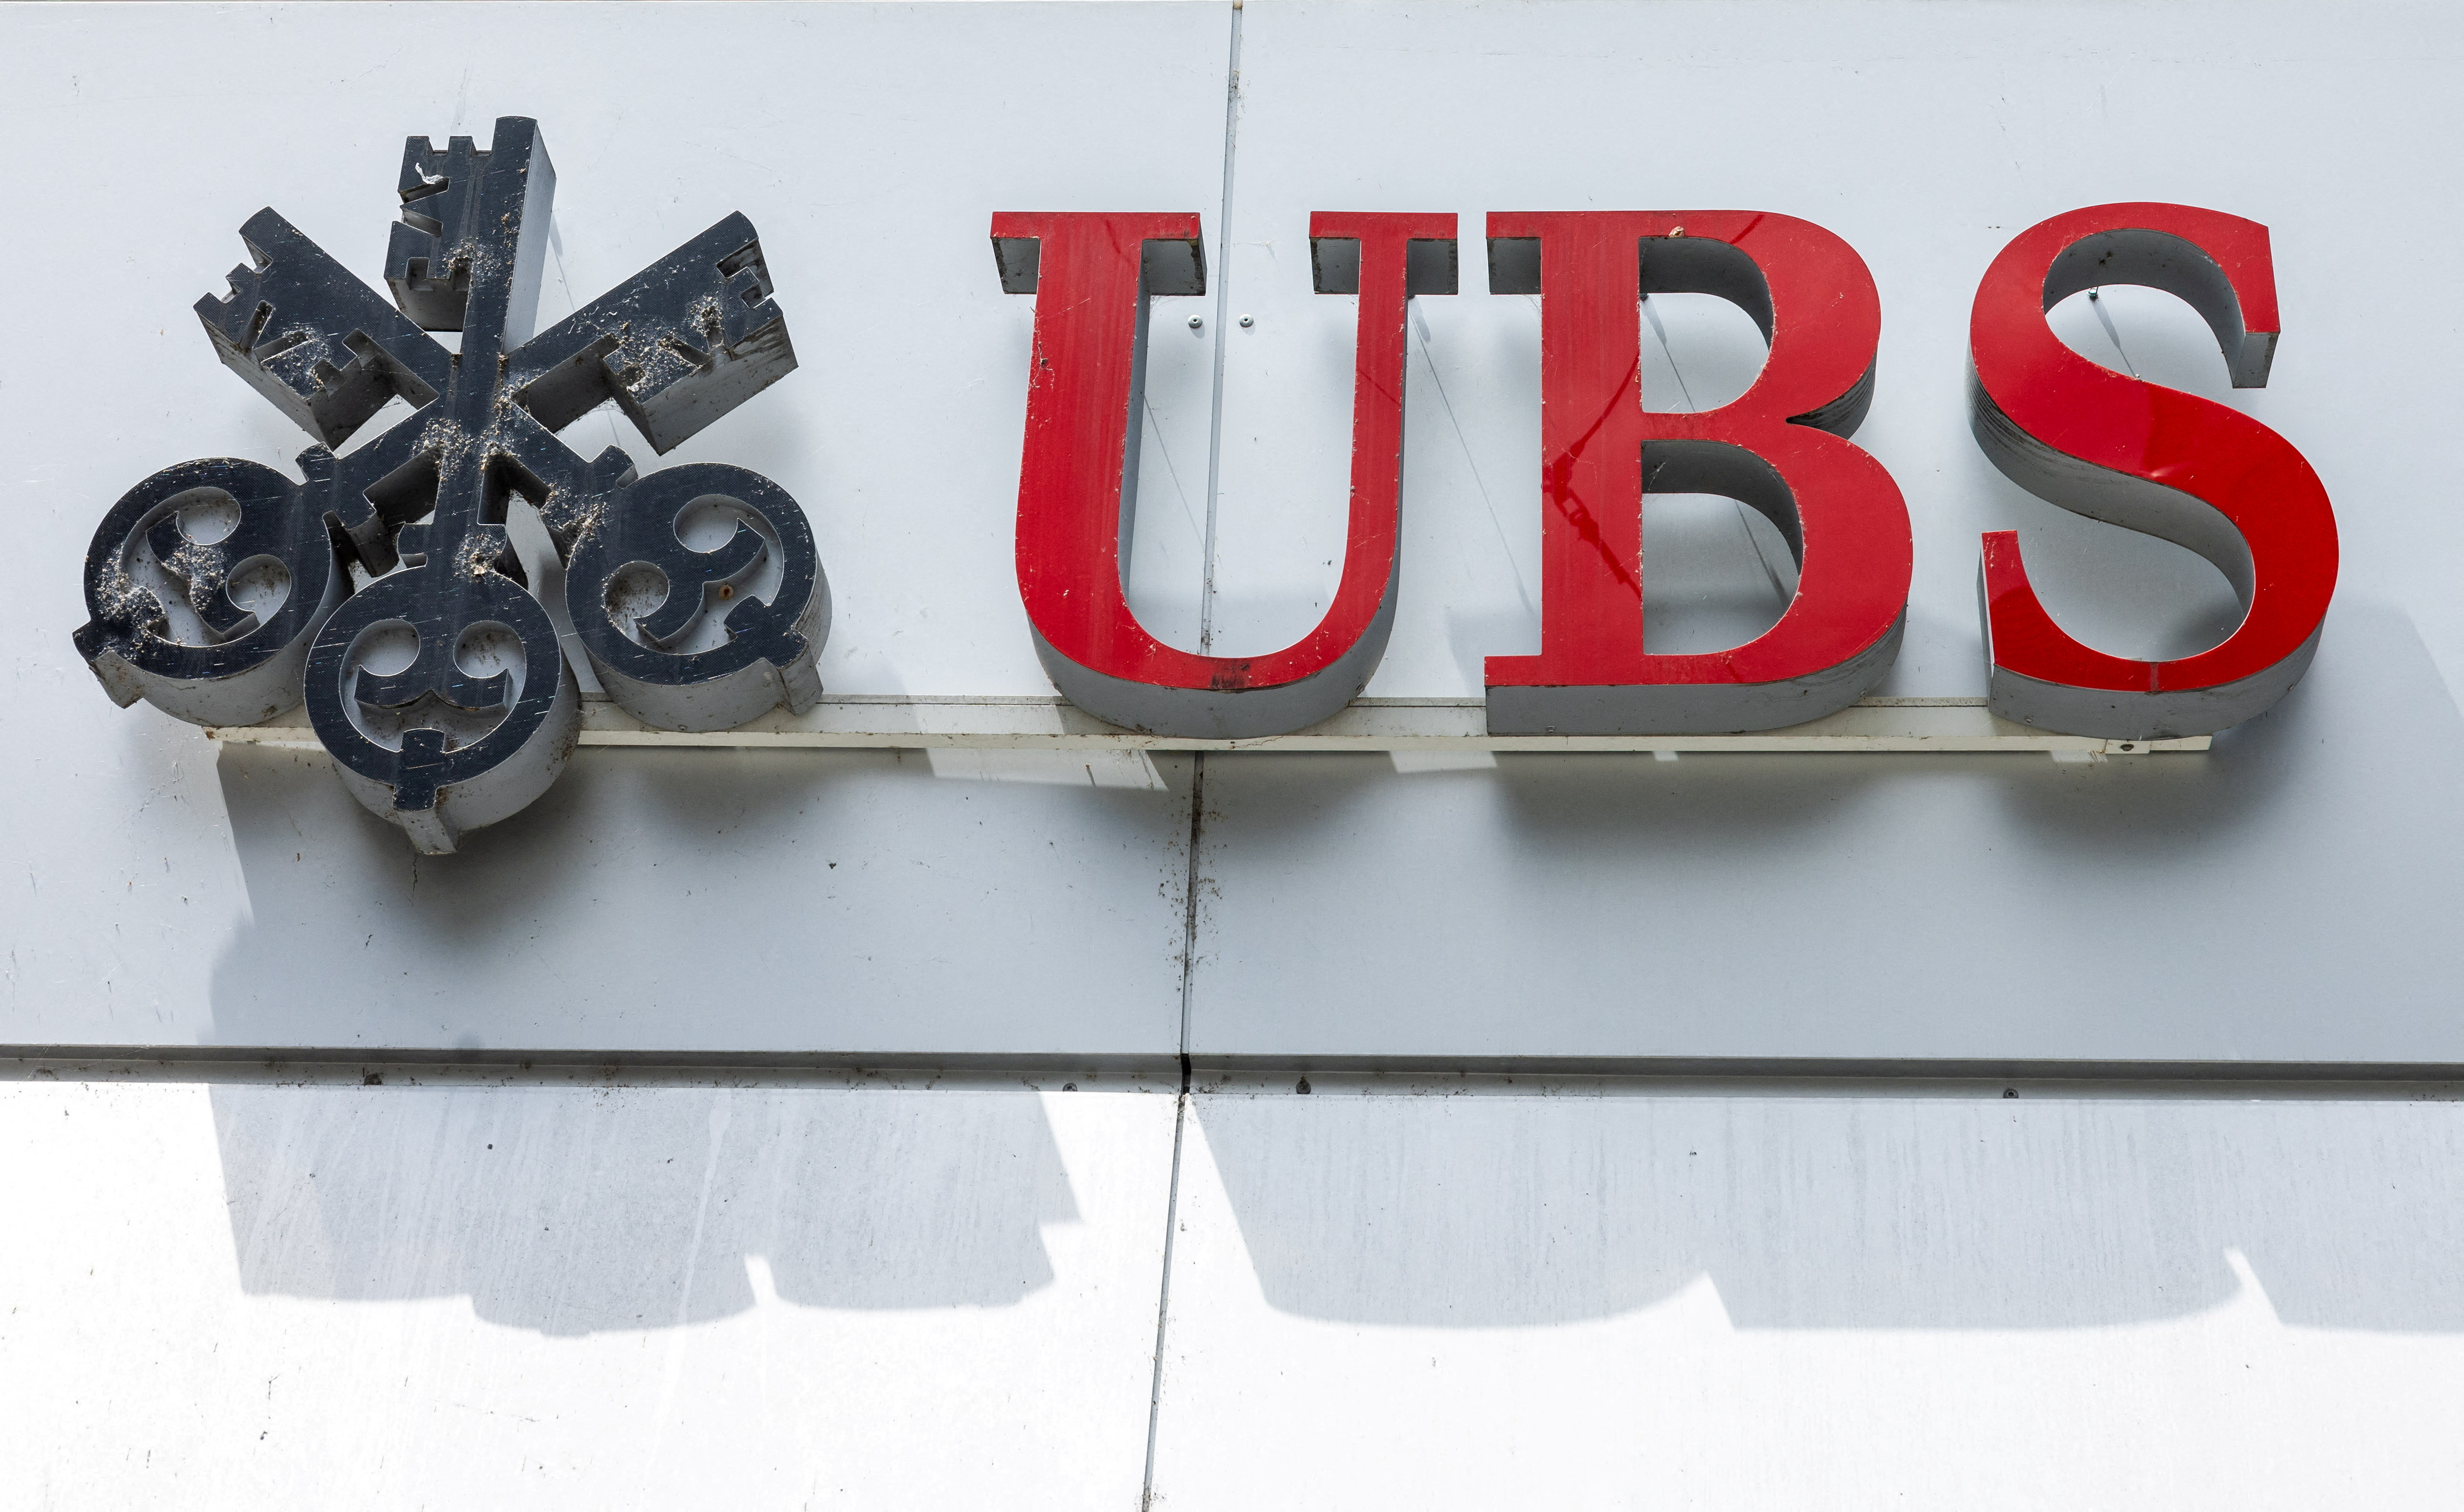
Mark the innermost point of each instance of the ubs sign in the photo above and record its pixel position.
(384, 590)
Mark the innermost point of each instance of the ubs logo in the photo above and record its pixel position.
(2078, 434)
(385, 589)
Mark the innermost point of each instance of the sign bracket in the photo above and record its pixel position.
(844, 722)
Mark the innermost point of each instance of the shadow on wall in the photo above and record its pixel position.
(2289, 890)
(1811, 1212)
(2375, 702)
(710, 900)
(572, 1211)
(2383, 691)
(356, 938)
(700, 899)
(2281, 897)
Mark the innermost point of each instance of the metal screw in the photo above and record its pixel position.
(1197, 322)
(1247, 321)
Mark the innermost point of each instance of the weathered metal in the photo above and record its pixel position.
(221, 592)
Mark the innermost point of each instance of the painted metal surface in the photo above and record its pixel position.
(2113, 447)
(1780, 448)
(1720, 1303)
(1595, 905)
(1756, 1298)
(190, 897)
(1093, 277)
(440, 686)
(606, 1294)
(2295, 859)
(2268, 899)
(595, 924)
(402, 1296)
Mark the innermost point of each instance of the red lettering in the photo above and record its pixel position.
(2150, 459)
(1780, 448)
(1090, 276)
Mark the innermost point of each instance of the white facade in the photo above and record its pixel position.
(817, 1131)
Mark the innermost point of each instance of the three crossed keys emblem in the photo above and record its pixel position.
(384, 588)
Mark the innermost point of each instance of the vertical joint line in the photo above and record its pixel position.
(1179, 1120)
(1163, 1302)
(1222, 305)
(1189, 905)
(1198, 763)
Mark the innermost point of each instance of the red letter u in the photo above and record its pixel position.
(1090, 276)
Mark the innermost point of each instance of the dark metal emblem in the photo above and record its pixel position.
(384, 587)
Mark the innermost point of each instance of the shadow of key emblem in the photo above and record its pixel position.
(222, 593)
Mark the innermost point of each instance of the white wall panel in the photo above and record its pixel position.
(761, 901)
(258, 1295)
(2277, 899)
(1927, 136)
(650, 902)
(1749, 1299)
(2273, 899)
(537, 1292)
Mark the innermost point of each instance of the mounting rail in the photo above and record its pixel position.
(870, 722)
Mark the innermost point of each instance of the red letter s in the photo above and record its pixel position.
(2150, 459)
